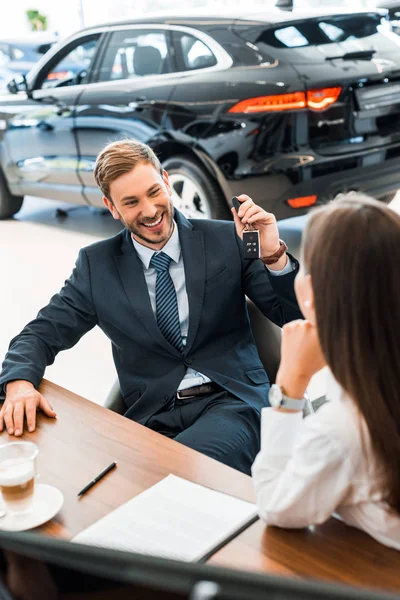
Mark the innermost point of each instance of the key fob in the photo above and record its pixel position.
(251, 239)
(251, 244)
(236, 203)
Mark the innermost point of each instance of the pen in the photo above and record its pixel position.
(97, 478)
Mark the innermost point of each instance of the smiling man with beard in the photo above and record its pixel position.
(170, 294)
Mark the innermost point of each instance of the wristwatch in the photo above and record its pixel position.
(278, 399)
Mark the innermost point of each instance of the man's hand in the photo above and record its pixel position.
(251, 214)
(301, 357)
(22, 400)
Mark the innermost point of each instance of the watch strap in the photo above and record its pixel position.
(278, 399)
(292, 403)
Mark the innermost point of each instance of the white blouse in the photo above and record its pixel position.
(308, 469)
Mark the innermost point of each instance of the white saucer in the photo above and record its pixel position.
(47, 501)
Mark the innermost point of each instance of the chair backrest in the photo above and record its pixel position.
(267, 336)
(114, 399)
(268, 340)
(147, 60)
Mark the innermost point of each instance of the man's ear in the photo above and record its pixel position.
(111, 208)
(165, 177)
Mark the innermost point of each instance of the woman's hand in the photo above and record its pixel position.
(301, 357)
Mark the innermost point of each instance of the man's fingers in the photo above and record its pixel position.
(2, 418)
(244, 206)
(244, 198)
(261, 215)
(19, 413)
(31, 415)
(251, 211)
(46, 407)
(238, 223)
(8, 418)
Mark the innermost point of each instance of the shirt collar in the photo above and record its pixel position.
(172, 248)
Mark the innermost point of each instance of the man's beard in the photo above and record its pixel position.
(167, 215)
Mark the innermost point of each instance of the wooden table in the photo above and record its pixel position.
(332, 552)
(86, 437)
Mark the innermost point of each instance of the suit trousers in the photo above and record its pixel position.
(218, 425)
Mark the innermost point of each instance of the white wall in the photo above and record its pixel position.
(64, 16)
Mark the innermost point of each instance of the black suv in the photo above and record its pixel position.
(289, 109)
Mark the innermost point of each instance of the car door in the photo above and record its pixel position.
(128, 98)
(40, 137)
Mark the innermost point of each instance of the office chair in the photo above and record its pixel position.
(267, 336)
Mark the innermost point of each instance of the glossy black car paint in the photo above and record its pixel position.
(51, 137)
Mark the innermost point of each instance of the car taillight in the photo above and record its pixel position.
(321, 99)
(270, 103)
(302, 201)
(314, 99)
(58, 75)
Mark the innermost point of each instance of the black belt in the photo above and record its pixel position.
(198, 390)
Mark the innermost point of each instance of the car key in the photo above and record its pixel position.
(236, 203)
(251, 238)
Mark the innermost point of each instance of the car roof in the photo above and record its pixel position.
(272, 16)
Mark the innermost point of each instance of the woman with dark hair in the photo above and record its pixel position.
(345, 458)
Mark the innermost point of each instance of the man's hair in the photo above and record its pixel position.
(119, 158)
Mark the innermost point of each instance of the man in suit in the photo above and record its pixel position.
(170, 295)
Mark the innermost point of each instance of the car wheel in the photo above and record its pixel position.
(195, 194)
(9, 204)
(387, 198)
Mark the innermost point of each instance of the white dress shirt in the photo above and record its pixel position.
(173, 249)
(308, 469)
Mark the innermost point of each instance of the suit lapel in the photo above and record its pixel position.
(131, 272)
(192, 245)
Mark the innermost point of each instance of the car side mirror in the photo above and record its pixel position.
(18, 84)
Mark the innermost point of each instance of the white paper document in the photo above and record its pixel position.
(174, 519)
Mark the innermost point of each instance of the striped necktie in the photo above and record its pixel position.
(166, 301)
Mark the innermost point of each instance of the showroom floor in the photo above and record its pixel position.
(37, 253)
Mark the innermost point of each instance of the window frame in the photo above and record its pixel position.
(59, 54)
(175, 40)
(96, 72)
(224, 60)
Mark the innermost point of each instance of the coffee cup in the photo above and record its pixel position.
(17, 475)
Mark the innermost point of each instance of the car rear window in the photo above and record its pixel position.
(323, 31)
(318, 38)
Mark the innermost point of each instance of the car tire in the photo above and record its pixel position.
(196, 195)
(387, 198)
(9, 204)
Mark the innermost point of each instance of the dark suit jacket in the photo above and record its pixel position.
(108, 288)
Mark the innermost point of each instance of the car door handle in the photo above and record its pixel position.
(59, 105)
(138, 103)
(62, 109)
